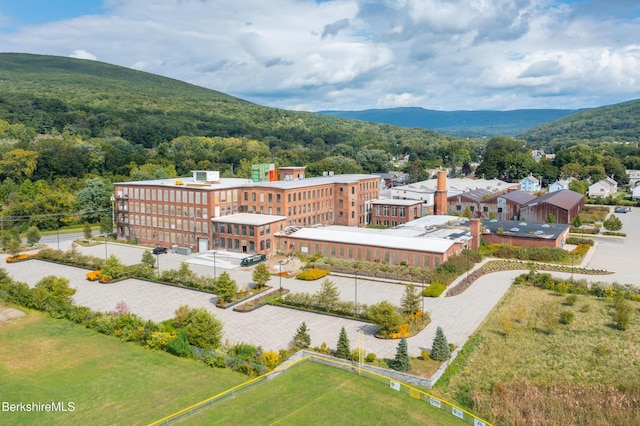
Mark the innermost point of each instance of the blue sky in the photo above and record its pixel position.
(354, 54)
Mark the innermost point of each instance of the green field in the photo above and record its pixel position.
(528, 368)
(46, 360)
(316, 394)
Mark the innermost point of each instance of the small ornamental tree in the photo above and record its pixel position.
(106, 225)
(14, 247)
(148, 260)
(410, 300)
(302, 339)
(551, 218)
(343, 350)
(612, 223)
(112, 267)
(180, 345)
(33, 235)
(402, 362)
(440, 350)
(577, 222)
(225, 287)
(204, 330)
(328, 296)
(261, 275)
(87, 230)
(385, 315)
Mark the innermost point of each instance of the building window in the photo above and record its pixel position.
(458, 207)
(270, 198)
(386, 210)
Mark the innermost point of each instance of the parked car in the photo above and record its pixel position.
(622, 209)
(159, 250)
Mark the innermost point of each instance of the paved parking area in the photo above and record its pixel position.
(273, 327)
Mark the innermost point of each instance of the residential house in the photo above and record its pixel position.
(634, 177)
(603, 188)
(530, 184)
(505, 206)
(559, 185)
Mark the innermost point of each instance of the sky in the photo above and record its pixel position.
(316, 55)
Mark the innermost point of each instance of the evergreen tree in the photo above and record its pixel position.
(225, 287)
(106, 225)
(612, 224)
(440, 350)
(577, 222)
(410, 302)
(148, 260)
(302, 339)
(402, 362)
(87, 231)
(343, 350)
(328, 296)
(261, 275)
(180, 345)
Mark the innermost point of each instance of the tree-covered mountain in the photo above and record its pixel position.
(474, 124)
(613, 123)
(95, 99)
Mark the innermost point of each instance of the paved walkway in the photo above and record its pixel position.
(273, 327)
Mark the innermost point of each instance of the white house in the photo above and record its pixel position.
(604, 188)
(635, 193)
(634, 177)
(530, 184)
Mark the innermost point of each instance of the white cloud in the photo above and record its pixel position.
(83, 54)
(358, 54)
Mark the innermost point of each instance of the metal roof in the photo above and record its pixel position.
(565, 198)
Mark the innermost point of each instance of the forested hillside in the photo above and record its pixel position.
(94, 99)
(613, 123)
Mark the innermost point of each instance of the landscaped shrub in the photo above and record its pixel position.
(20, 257)
(622, 313)
(94, 275)
(180, 345)
(312, 274)
(579, 240)
(571, 300)
(371, 357)
(434, 290)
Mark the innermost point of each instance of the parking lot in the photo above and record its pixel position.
(273, 327)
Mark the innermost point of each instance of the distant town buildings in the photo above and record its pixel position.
(530, 184)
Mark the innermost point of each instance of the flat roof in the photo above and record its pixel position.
(229, 183)
(255, 219)
(396, 202)
(546, 231)
(345, 235)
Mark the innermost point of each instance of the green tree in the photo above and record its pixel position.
(579, 186)
(440, 350)
(261, 275)
(106, 225)
(112, 267)
(86, 228)
(148, 260)
(225, 287)
(302, 339)
(577, 222)
(343, 350)
(386, 316)
(33, 235)
(410, 302)
(551, 218)
(52, 294)
(95, 198)
(402, 361)
(328, 296)
(204, 330)
(612, 223)
(18, 164)
(14, 247)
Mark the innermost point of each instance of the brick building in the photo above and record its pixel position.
(178, 212)
(390, 212)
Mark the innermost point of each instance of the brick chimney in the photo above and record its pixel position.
(474, 228)
(440, 199)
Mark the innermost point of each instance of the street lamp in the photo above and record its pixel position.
(422, 299)
(280, 275)
(355, 277)
(158, 259)
(214, 266)
(113, 211)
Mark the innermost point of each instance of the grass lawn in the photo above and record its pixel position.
(314, 394)
(46, 360)
(527, 368)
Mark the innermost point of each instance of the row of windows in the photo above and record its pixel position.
(375, 255)
(244, 230)
(177, 195)
(384, 211)
(167, 223)
(235, 244)
(169, 210)
(164, 236)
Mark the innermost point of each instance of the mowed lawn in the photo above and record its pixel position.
(315, 394)
(46, 360)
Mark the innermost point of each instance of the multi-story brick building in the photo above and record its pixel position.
(391, 212)
(178, 212)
